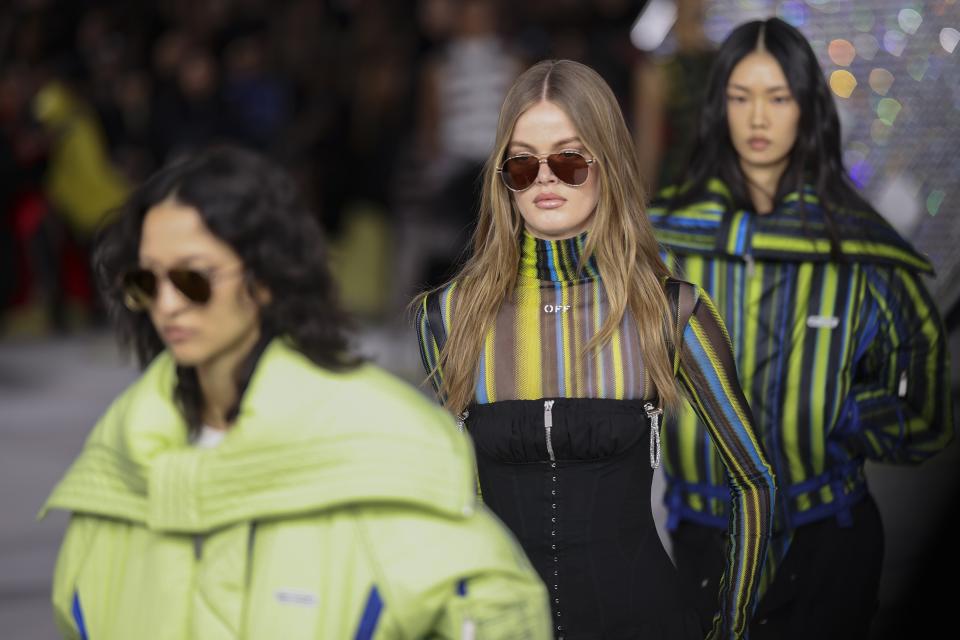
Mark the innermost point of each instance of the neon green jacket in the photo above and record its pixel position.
(338, 506)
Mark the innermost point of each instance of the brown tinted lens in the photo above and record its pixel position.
(139, 288)
(520, 172)
(195, 286)
(570, 167)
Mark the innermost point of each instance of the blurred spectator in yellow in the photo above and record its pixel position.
(81, 183)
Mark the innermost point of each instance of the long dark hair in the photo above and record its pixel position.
(816, 157)
(253, 206)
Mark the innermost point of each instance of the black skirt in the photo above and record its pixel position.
(576, 494)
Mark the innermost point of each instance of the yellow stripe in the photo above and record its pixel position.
(690, 434)
(527, 336)
(777, 242)
(931, 333)
(820, 380)
(447, 305)
(490, 378)
(447, 301)
(753, 292)
(617, 356)
(792, 400)
(695, 213)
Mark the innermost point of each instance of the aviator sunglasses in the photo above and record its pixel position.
(140, 286)
(519, 172)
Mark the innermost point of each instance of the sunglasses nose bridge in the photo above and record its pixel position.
(169, 298)
(543, 164)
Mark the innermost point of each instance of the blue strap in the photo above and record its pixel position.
(78, 616)
(371, 615)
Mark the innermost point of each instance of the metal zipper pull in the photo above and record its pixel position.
(654, 413)
(750, 264)
(462, 420)
(548, 426)
(902, 390)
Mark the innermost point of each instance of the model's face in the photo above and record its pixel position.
(228, 325)
(552, 210)
(761, 112)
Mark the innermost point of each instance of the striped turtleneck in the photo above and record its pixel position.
(535, 350)
(556, 260)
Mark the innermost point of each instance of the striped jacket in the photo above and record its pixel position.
(840, 361)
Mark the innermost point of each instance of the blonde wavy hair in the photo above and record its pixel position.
(620, 235)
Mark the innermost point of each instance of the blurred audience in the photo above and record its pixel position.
(669, 90)
(383, 110)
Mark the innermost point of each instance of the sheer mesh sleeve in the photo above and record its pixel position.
(708, 374)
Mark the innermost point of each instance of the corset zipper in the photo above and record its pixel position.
(653, 413)
(548, 426)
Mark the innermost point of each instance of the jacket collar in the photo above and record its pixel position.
(306, 440)
(793, 232)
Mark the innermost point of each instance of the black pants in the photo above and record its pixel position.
(825, 588)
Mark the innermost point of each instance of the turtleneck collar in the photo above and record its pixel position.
(555, 260)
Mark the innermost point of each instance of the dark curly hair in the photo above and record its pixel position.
(252, 205)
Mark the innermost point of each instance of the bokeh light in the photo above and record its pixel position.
(894, 42)
(934, 200)
(793, 12)
(866, 45)
(887, 110)
(880, 81)
(855, 160)
(863, 19)
(949, 37)
(917, 68)
(909, 20)
(821, 4)
(842, 82)
(752, 5)
(841, 52)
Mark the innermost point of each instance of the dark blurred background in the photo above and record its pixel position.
(384, 111)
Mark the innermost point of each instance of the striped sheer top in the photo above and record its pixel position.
(534, 351)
